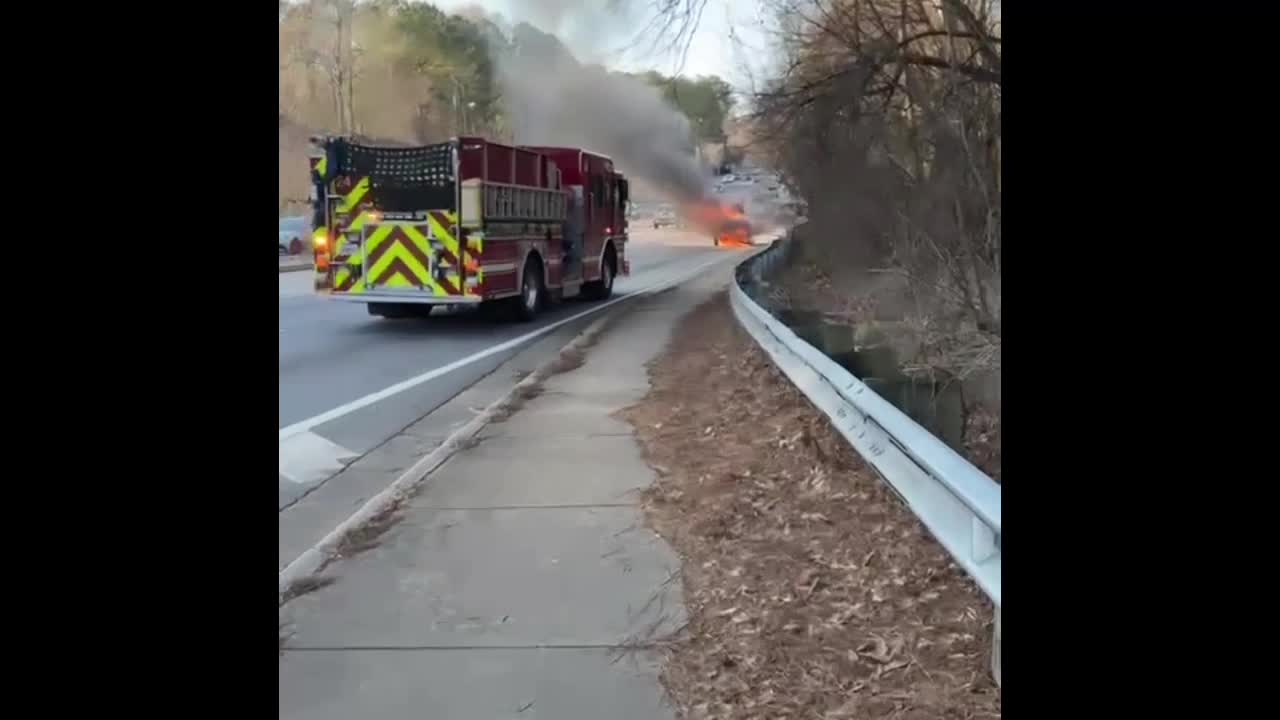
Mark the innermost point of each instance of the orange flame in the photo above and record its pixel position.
(723, 221)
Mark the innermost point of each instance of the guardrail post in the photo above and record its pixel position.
(995, 652)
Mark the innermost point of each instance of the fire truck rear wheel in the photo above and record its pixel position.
(601, 289)
(529, 301)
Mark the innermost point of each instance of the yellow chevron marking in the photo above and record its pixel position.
(442, 234)
(398, 252)
(418, 238)
(475, 249)
(349, 203)
(353, 198)
(341, 240)
(340, 277)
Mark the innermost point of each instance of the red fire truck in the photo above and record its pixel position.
(465, 222)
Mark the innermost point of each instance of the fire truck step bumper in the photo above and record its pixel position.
(385, 297)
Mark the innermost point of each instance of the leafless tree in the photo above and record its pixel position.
(320, 40)
(885, 116)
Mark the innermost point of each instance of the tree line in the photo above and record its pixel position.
(410, 72)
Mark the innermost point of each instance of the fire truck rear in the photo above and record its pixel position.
(465, 222)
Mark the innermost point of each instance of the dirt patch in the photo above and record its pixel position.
(570, 358)
(812, 591)
(369, 535)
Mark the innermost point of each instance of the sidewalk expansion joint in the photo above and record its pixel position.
(433, 648)
(542, 438)
(572, 506)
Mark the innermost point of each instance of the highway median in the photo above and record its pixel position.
(294, 264)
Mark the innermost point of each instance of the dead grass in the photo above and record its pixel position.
(570, 358)
(812, 592)
(369, 535)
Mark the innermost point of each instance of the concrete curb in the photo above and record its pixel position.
(315, 558)
(295, 268)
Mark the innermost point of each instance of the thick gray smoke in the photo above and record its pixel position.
(592, 27)
(610, 114)
(555, 100)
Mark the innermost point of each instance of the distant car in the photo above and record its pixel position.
(665, 217)
(293, 231)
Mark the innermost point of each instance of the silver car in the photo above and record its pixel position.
(293, 235)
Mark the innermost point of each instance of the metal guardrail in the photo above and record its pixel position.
(957, 502)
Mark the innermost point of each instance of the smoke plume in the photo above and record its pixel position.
(555, 100)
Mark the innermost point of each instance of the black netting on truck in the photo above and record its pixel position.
(405, 179)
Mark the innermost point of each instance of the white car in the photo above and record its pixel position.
(293, 234)
(665, 217)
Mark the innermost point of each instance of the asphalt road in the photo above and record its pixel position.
(349, 381)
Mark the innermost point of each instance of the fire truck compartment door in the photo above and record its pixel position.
(575, 225)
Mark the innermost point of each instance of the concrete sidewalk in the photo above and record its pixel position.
(519, 580)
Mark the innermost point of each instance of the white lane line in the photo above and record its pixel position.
(303, 426)
(308, 458)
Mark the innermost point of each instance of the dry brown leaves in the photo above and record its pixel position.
(812, 592)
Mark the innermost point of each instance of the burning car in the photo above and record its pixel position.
(727, 222)
(735, 229)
